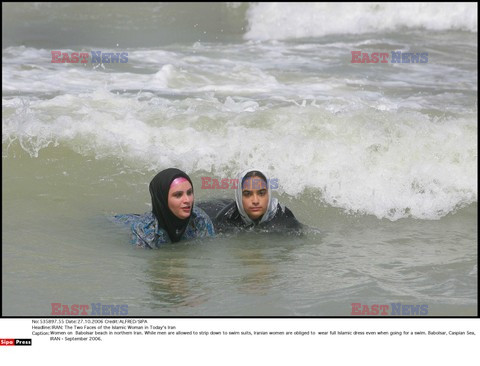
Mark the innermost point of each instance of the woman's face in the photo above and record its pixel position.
(180, 200)
(255, 197)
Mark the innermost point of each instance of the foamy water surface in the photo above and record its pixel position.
(381, 159)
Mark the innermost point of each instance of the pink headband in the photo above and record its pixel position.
(178, 181)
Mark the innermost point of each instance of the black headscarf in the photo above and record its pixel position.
(159, 188)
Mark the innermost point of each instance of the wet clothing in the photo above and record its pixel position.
(213, 206)
(229, 215)
(160, 226)
(146, 233)
(159, 188)
(272, 201)
(230, 220)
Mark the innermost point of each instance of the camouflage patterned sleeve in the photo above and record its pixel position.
(200, 226)
(146, 234)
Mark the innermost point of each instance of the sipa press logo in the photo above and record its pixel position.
(15, 342)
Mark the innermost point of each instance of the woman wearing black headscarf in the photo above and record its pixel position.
(173, 217)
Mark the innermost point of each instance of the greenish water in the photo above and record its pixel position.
(379, 160)
(59, 246)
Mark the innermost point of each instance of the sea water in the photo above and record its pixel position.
(379, 160)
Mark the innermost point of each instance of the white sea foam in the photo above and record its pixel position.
(374, 161)
(278, 21)
(387, 140)
(392, 141)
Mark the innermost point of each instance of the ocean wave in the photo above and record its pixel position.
(146, 24)
(281, 21)
(388, 163)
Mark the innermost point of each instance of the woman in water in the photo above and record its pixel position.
(173, 217)
(254, 206)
